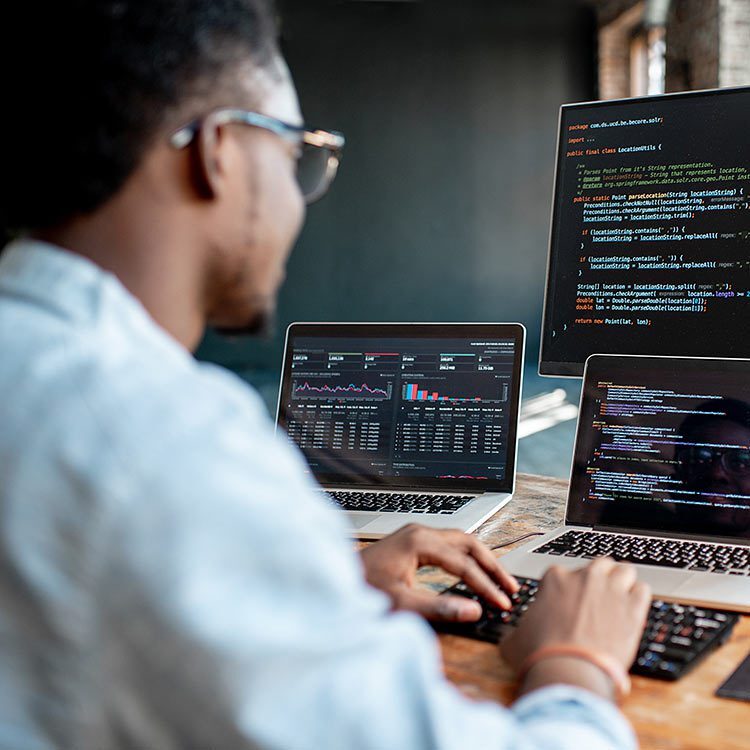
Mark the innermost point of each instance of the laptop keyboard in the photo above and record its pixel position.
(396, 502)
(666, 553)
(675, 638)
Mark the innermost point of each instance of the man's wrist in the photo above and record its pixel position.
(568, 670)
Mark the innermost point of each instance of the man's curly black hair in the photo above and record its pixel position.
(98, 79)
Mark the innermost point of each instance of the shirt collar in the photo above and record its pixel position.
(61, 281)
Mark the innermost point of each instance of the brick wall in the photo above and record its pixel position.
(708, 44)
(693, 45)
(614, 48)
(734, 31)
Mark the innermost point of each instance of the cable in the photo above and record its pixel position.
(518, 539)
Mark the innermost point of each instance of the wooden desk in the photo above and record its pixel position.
(667, 716)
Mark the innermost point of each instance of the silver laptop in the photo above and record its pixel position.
(406, 422)
(660, 477)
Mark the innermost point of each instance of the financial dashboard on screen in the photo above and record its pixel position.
(416, 408)
(650, 235)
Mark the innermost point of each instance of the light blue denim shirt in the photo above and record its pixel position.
(169, 578)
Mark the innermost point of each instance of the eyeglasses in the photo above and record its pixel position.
(699, 459)
(319, 155)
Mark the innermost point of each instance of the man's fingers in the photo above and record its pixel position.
(468, 558)
(439, 608)
(450, 542)
(453, 551)
(492, 565)
(467, 568)
(623, 577)
(641, 593)
(599, 566)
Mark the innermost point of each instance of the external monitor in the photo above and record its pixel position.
(650, 233)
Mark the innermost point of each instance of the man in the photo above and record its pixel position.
(714, 464)
(169, 578)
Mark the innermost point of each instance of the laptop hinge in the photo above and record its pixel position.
(673, 535)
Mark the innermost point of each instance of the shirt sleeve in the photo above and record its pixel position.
(234, 614)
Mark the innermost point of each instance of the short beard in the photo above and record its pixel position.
(262, 325)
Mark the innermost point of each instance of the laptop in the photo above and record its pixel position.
(660, 478)
(406, 422)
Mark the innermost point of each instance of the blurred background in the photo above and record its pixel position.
(441, 208)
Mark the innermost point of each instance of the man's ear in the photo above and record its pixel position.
(209, 157)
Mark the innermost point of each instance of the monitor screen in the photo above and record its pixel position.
(664, 445)
(430, 406)
(650, 235)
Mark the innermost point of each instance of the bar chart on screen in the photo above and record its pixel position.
(417, 392)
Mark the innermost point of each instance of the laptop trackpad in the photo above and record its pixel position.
(716, 588)
(663, 581)
(361, 520)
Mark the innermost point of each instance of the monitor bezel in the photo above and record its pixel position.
(568, 369)
(506, 330)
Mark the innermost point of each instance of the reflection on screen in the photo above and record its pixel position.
(658, 455)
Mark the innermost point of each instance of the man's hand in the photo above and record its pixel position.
(391, 564)
(602, 607)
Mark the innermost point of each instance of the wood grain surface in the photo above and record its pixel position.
(667, 716)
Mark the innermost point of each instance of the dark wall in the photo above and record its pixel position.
(441, 207)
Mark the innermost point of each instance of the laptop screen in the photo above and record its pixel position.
(664, 445)
(404, 405)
